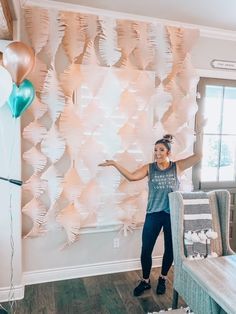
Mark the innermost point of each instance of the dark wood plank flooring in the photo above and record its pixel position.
(105, 294)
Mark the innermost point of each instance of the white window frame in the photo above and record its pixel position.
(211, 74)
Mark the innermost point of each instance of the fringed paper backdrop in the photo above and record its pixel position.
(106, 89)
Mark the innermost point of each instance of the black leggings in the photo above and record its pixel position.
(151, 229)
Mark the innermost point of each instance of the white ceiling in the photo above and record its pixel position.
(212, 13)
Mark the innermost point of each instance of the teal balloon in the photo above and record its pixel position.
(21, 97)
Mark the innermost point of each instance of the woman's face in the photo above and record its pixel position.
(161, 153)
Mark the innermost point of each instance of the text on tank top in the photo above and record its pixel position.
(160, 184)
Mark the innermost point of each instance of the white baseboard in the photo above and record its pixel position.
(48, 275)
(56, 274)
(17, 293)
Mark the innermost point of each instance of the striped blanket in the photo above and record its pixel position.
(198, 231)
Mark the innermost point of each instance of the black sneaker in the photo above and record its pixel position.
(161, 286)
(141, 287)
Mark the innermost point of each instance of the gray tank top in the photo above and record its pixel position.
(160, 184)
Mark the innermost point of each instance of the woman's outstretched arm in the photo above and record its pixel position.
(190, 161)
(138, 174)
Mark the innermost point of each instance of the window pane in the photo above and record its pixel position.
(229, 111)
(210, 161)
(212, 108)
(227, 159)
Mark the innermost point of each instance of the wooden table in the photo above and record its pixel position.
(217, 276)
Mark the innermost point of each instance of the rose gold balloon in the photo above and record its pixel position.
(18, 59)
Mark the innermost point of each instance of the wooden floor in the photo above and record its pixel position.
(104, 294)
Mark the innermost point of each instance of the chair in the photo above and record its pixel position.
(184, 284)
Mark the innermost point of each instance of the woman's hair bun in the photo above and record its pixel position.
(169, 138)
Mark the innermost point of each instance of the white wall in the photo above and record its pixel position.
(208, 49)
(93, 254)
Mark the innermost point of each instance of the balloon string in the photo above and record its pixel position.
(12, 147)
(11, 294)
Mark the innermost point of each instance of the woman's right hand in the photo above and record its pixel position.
(107, 163)
(131, 176)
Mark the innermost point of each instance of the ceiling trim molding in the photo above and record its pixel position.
(209, 32)
(219, 74)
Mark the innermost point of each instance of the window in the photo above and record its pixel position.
(217, 103)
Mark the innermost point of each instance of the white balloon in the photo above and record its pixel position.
(5, 85)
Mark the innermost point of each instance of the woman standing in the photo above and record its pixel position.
(162, 179)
